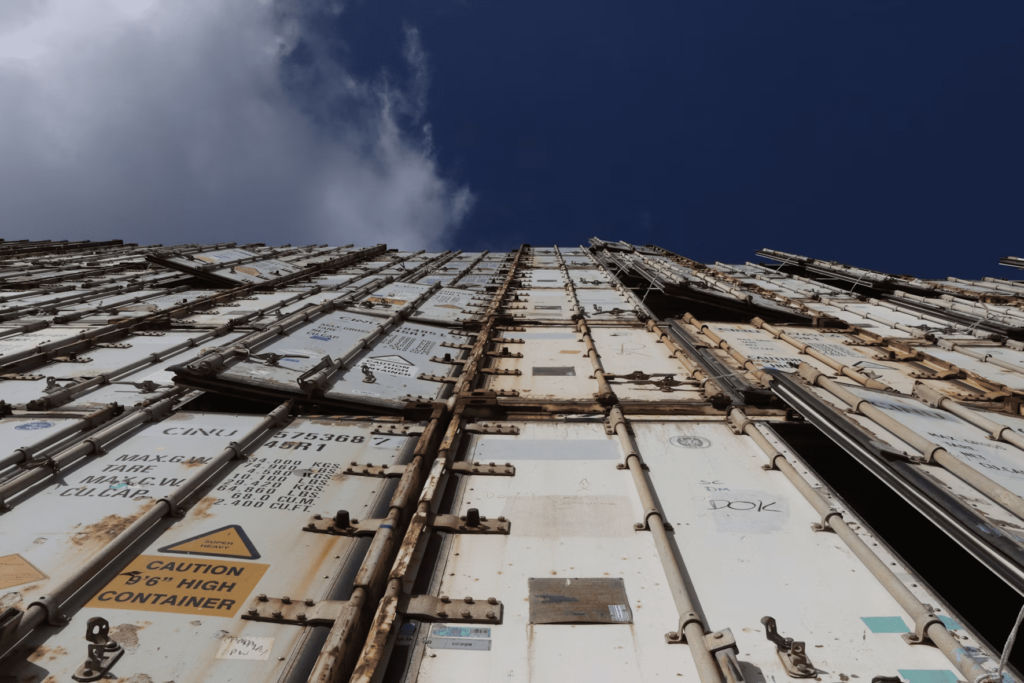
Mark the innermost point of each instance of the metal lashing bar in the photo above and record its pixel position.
(690, 625)
(346, 636)
(373, 657)
(46, 608)
(926, 623)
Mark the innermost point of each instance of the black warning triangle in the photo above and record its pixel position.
(227, 541)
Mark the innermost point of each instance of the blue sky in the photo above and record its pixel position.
(882, 134)
(886, 134)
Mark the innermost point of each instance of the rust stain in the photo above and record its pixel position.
(202, 508)
(126, 635)
(137, 678)
(111, 525)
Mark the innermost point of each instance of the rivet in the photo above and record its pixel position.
(491, 615)
(276, 615)
(492, 601)
(442, 613)
(445, 598)
(286, 600)
(262, 597)
(301, 616)
(466, 614)
(469, 600)
(254, 612)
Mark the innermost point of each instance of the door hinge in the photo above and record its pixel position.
(470, 523)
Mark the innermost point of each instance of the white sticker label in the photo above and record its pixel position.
(619, 612)
(256, 649)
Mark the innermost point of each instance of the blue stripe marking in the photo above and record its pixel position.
(885, 624)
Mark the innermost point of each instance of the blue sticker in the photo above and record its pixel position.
(950, 623)
(885, 624)
(35, 425)
(928, 675)
(316, 336)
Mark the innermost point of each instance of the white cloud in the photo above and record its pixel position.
(169, 121)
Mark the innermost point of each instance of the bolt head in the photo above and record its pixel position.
(466, 614)
(492, 601)
(262, 597)
(254, 612)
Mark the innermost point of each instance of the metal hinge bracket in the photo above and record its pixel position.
(920, 634)
(824, 525)
(471, 523)
(487, 469)
(491, 428)
(393, 429)
(466, 611)
(500, 371)
(792, 654)
(438, 378)
(103, 652)
(298, 612)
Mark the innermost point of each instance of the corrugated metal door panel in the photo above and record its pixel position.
(542, 304)
(30, 340)
(444, 306)
(135, 386)
(625, 350)
(22, 391)
(104, 360)
(859, 320)
(1011, 378)
(396, 360)
(554, 366)
(730, 516)
(250, 520)
(572, 517)
(764, 349)
(583, 278)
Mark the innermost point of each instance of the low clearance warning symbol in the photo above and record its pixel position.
(227, 541)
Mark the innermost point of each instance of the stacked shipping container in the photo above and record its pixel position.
(230, 462)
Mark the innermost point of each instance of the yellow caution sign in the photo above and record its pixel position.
(227, 541)
(16, 570)
(152, 583)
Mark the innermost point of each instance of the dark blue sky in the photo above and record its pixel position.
(883, 134)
